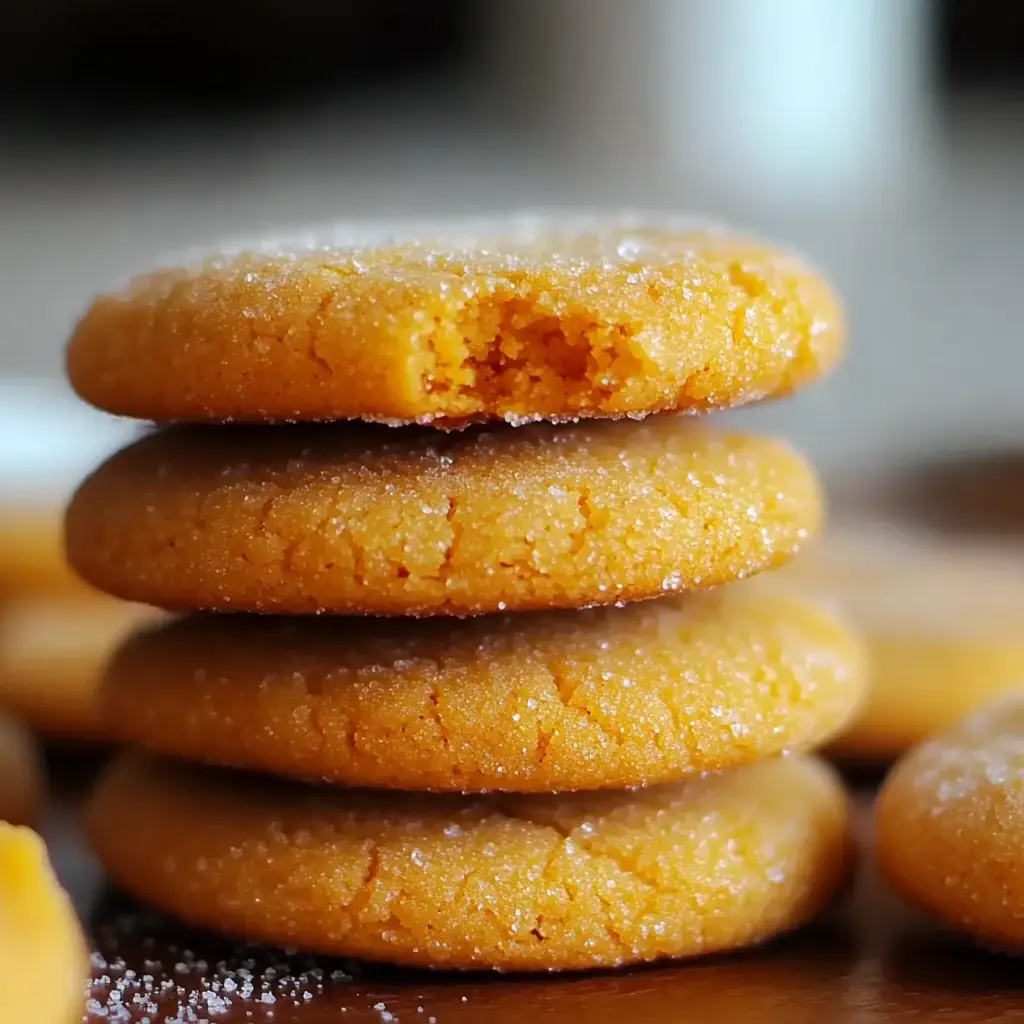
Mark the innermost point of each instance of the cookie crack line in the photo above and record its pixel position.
(617, 318)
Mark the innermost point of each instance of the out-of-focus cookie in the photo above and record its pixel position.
(22, 788)
(603, 698)
(950, 825)
(944, 624)
(378, 521)
(564, 882)
(32, 561)
(52, 656)
(50, 440)
(41, 944)
(530, 316)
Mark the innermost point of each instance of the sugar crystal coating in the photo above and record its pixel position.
(960, 798)
(41, 946)
(524, 883)
(377, 521)
(551, 316)
(612, 697)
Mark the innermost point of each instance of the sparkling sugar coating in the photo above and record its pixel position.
(522, 883)
(524, 317)
(21, 774)
(41, 946)
(944, 623)
(376, 521)
(959, 801)
(612, 697)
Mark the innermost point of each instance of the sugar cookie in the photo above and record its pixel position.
(522, 883)
(52, 656)
(950, 825)
(41, 944)
(526, 317)
(21, 774)
(50, 439)
(412, 522)
(944, 623)
(611, 697)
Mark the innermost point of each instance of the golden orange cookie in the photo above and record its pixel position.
(48, 440)
(944, 622)
(32, 561)
(52, 656)
(41, 945)
(380, 521)
(521, 883)
(21, 774)
(525, 317)
(609, 697)
(950, 825)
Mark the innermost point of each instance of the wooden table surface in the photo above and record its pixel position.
(872, 960)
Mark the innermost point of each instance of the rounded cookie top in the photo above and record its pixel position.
(944, 623)
(960, 797)
(41, 944)
(548, 701)
(524, 883)
(526, 317)
(372, 520)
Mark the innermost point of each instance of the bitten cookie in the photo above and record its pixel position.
(52, 656)
(520, 883)
(525, 317)
(21, 774)
(384, 522)
(41, 944)
(944, 625)
(611, 697)
(950, 825)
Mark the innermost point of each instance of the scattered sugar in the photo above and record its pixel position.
(185, 988)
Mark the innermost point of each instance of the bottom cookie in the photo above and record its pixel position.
(41, 945)
(960, 797)
(517, 883)
(21, 774)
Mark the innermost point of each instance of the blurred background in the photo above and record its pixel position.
(884, 138)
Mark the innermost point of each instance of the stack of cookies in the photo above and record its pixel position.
(525, 724)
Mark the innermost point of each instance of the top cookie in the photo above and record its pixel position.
(527, 317)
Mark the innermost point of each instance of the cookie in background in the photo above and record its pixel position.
(943, 620)
(22, 788)
(960, 796)
(55, 631)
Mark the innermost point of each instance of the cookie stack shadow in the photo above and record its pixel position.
(490, 697)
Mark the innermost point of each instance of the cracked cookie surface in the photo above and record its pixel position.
(520, 883)
(531, 316)
(612, 697)
(373, 520)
